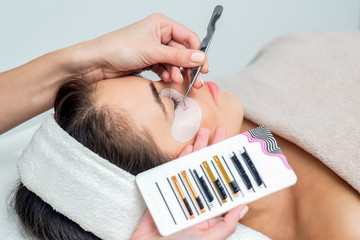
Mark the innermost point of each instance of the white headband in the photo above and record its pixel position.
(89, 190)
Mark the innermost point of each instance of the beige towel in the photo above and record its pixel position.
(306, 88)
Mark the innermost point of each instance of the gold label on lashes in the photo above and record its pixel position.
(225, 175)
(170, 190)
(209, 172)
(193, 192)
(218, 186)
(182, 196)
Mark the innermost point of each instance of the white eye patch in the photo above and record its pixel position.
(186, 121)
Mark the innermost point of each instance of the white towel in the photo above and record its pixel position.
(306, 88)
(89, 190)
(243, 232)
(99, 196)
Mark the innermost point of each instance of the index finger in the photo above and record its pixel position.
(219, 134)
(225, 228)
(171, 30)
(202, 139)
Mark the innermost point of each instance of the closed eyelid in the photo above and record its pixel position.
(175, 100)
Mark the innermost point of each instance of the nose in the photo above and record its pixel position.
(184, 86)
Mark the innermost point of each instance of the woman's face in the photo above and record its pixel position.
(153, 110)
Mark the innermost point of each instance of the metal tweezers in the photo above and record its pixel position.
(205, 45)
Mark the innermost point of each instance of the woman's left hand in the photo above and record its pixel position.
(215, 228)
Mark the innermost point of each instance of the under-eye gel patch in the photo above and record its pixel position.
(187, 120)
(213, 180)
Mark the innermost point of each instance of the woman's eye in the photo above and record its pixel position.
(175, 100)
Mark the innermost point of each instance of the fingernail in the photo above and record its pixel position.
(202, 82)
(204, 131)
(182, 78)
(243, 212)
(197, 57)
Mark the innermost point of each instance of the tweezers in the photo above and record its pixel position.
(205, 45)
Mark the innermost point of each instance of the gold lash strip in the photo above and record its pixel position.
(216, 182)
(232, 184)
(182, 196)
(193, 192)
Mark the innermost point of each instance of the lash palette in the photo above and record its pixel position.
(213, 180)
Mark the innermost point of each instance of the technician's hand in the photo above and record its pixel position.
(156, 43)
(215, 228)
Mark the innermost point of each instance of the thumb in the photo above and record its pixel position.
(146, 227)
(181, 57)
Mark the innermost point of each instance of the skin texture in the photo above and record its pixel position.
(319, 206)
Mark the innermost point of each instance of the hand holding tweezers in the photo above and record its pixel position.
(205, 45)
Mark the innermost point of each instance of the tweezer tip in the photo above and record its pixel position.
(185, 107)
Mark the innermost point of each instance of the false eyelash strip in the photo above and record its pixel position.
(236, 186)
(222, 182)
(193, 192)
(187, 191)
(182, 197)
(210, 185)
(242, 172)
(177, 199)
(252, 167)
(182, 192)
(216, 182)
(204, 189)
(232, 183)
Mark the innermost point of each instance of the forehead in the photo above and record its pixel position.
(124, 93)
(130, 94)
(120, 89)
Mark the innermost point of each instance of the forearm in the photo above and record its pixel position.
(29, 90)
(148, 44)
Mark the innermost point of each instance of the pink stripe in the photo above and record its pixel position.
(263, 147)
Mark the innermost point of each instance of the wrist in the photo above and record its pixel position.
(78, 60)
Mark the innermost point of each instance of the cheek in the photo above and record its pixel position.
(186, 121)
(227, 112)
(211, 114)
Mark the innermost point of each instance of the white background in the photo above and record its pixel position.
(32, 28)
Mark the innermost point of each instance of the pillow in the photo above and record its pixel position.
(306, 88)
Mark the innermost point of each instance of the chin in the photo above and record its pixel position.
(233, 114)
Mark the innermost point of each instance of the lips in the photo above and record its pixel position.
(213, 89)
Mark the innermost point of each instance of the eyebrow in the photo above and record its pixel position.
(157, 98)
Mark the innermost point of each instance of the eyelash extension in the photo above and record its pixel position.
(241, 171)
(175, 100)
(217, 184)
(204, 189)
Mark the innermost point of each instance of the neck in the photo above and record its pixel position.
(273, 215)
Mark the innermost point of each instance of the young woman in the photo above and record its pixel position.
(110, 131)
(131, 119)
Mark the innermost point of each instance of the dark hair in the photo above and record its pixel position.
(109, 133)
